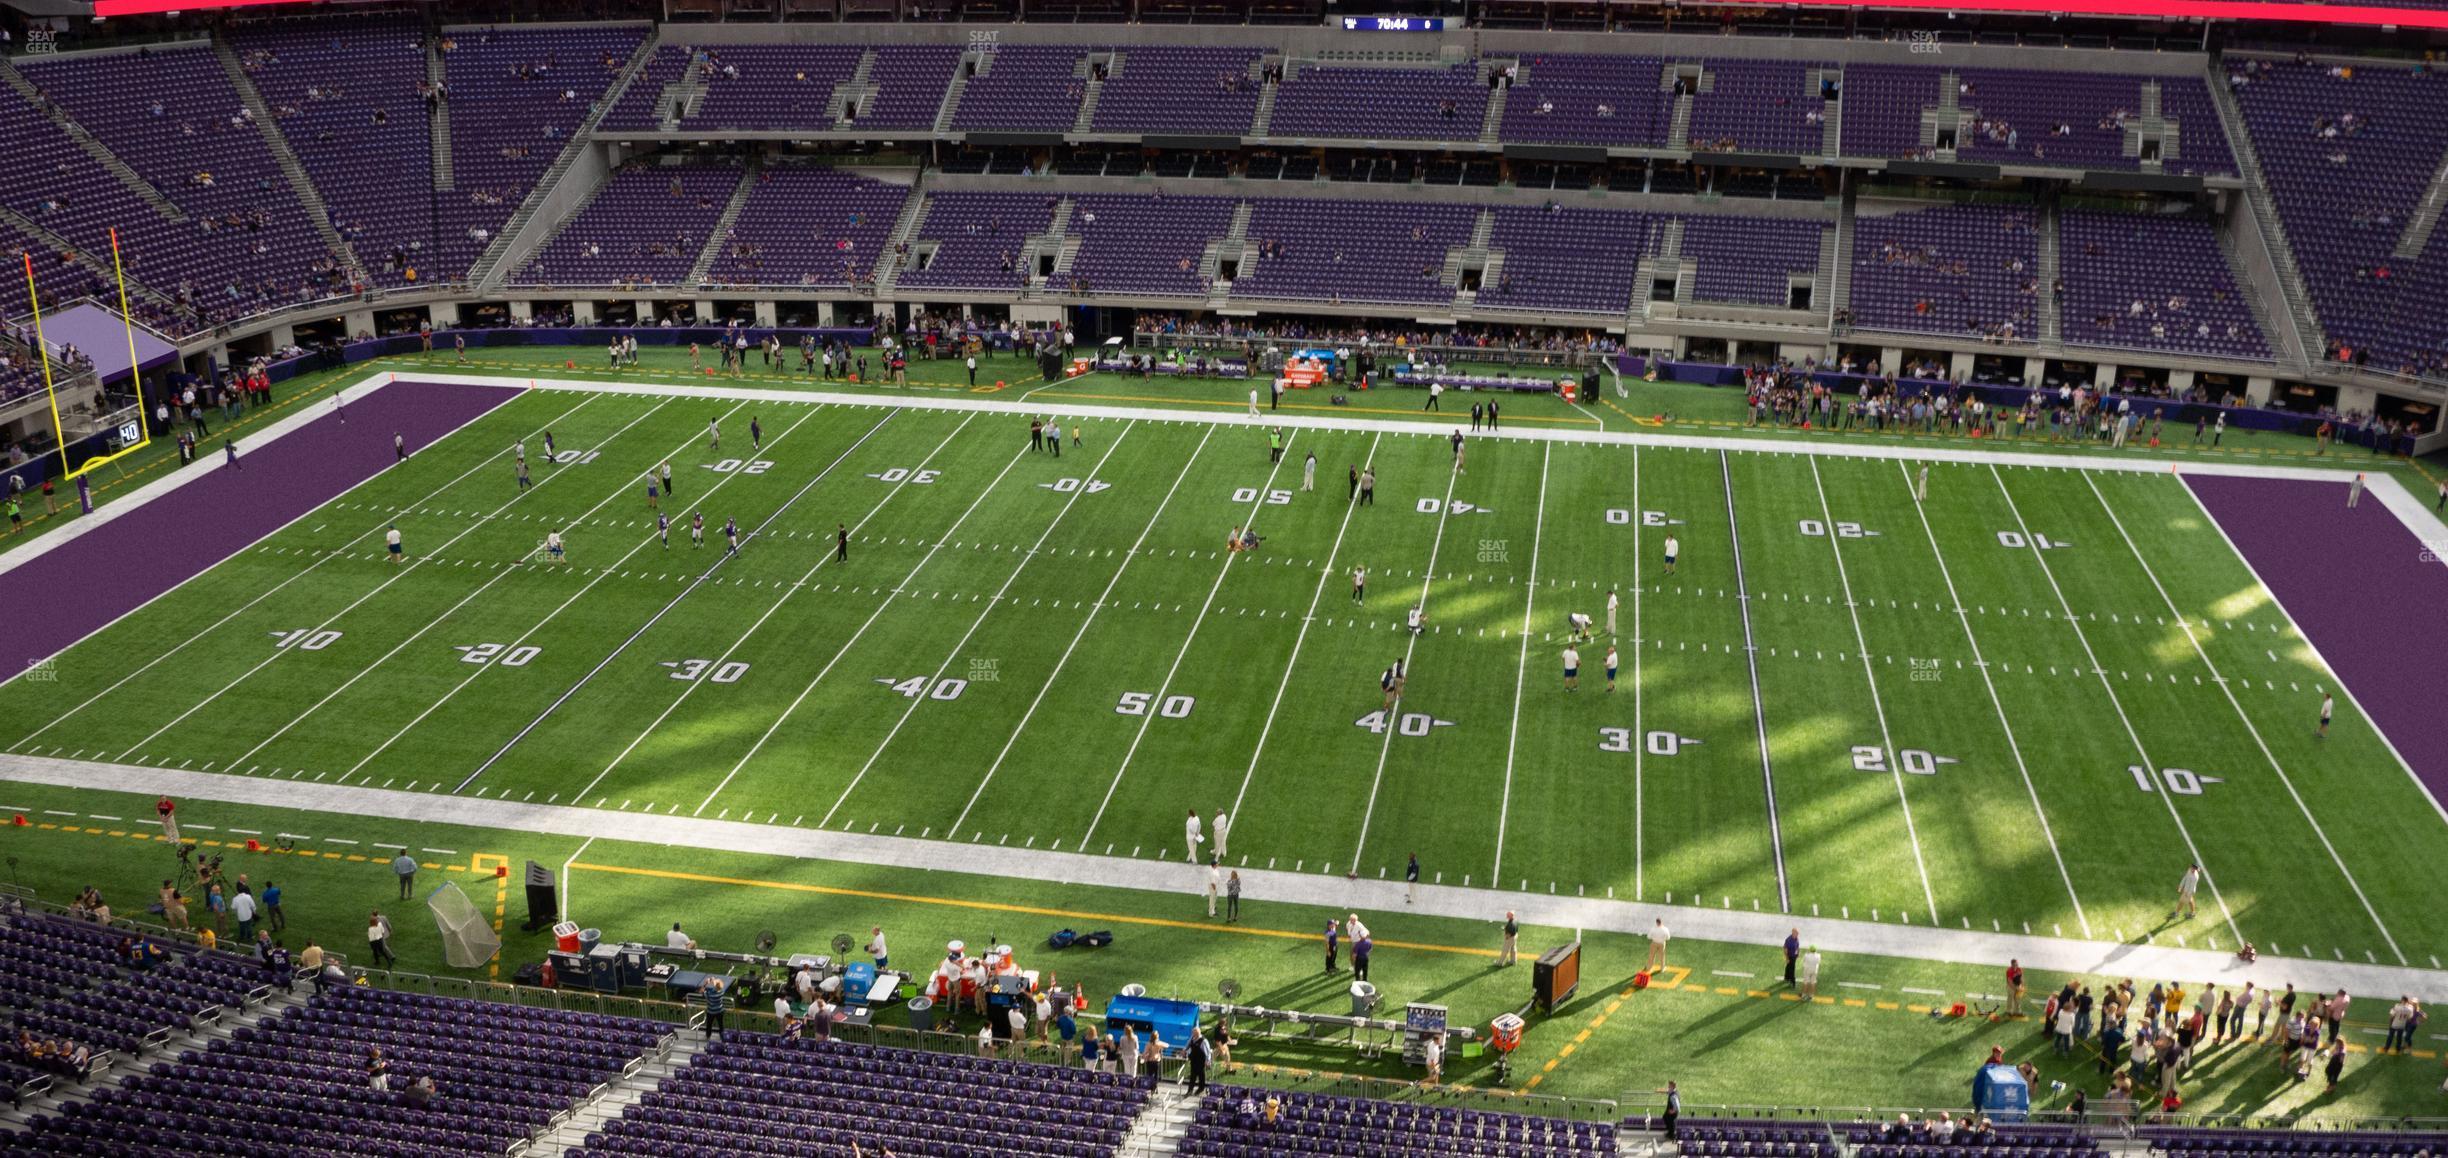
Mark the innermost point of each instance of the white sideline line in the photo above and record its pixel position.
(2106, 685)
(1759, 709)
(267, 592)
(1521, 670)
(1076, 636)
(433, 621)
(1385, 746)
(1640, 734)
(1187, 639)
(992, 602)
(690, 688)
(2249, 728)
(1878, 703)
(892, 593)
(1281, 686)
(2012, 745)
(575, 596)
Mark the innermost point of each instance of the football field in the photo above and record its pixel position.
(2024, 701)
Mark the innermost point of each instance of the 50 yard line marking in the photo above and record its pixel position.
(855, 636)
(1964, 617)
(2071, 620)
(274, 589)
(1759, 710)
(2228, 690)
(1521, 671)
(1192, 636)
(992, 602)
(1284, 684)
(1386, 746)
(690, 688)
(1076, 636)
(1878, 704)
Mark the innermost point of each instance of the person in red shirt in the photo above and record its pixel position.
(2014, 986)
(169, 818)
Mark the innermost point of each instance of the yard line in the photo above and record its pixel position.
(549, 617)
(274, 589)
(1521, 671)
(1640, 736)
(1878, 704)
(1076, 636)
(1964, 617)
(1195, 623)
(434, 621)
(992, 602)
(684, 592)
(398, 574)
(892, 593)
(1759, 711)
(1324, 577)
(2228, 691)
(1386, 745)
(2075, 622)
(787, 591)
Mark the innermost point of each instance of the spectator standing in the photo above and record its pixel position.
(1334, 943)
(242, 907)
(1674, 1109)
(1232, 897)
(272, 907)
(1793, 953)
(1505, 954)
(1362, 946)
(378, 939)
(1658, 936)
(1194, 1080)
(1411, 880)
(1809, 983)
(877, 949)
(715, 1000)
(405, 867)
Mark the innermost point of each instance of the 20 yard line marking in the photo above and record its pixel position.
(702, 578)
(2072, 621)
(1759, 711)
(1386, 746)
(788, 590)
(1076, 636)
(993, 602)
(1878, 704)
(2249, 728)
(1945, 573)
(1521, 670)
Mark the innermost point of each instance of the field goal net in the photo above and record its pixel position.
(468, 939)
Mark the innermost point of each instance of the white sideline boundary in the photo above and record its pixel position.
(1732, 926)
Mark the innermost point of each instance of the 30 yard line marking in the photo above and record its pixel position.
(1521, 670)
(1878, 704)
(789, 589)
(397, 574)
(1187, 639)
(2074, 622)
(993, 602)
(1333, 554)
(1076, 636)
(2249, 728)
(1759, 711)
(1386, 746)
(892, 593)
(1947, 574)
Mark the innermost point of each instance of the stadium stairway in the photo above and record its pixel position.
(1160, 1127)
(2052, 326)
(856, 92)
(93, 146)
(1093, 88)
(720, 235)
(913, 211)
(615, 1098)
(442, 179)
(309, 198)
(2426, 216)
(1266, 93)
(493, 265)
(2307, 336)
(952, 94)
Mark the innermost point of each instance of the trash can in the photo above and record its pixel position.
(588, 939)
(922, 1013)
(1364, 998)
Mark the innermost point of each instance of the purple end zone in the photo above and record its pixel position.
(83, 584)
(2364, 590)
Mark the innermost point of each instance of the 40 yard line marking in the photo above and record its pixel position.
(2227, 690)
(1878, 703)
(690, 688)
(1965, 617)
(891, 594)
(1521, 670)
(2075, 622)
(1759, 710)
(693, 585)
(1076, 636)
(1386, 746)
(992, 602)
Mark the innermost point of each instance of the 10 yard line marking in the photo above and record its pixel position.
(2130, 734)
(1281, 686)
(893, 593)
(1386, 746)
(992, 602)
(1184, 653)
(1076, 636)
(2249, 728)
(789, 590)
(397, 575)
(1878, 704)
(1759, 711)
(2011, 744)
(437, 620)
(1521, 670)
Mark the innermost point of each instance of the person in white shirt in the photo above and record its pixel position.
(391, 543)
(1215, 883)
(1579, 622)
(1658, 936)
(1191, 840)
(1612, 601)
(1673, 548)
(1309, 473)
(1572, 668)
(1921, 485)
(2184, 890)
(1415, 619)
(1806, 978)
(876, 949)
(552, 548)
(677, 939)
(1221, 825)
(2328, 705)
